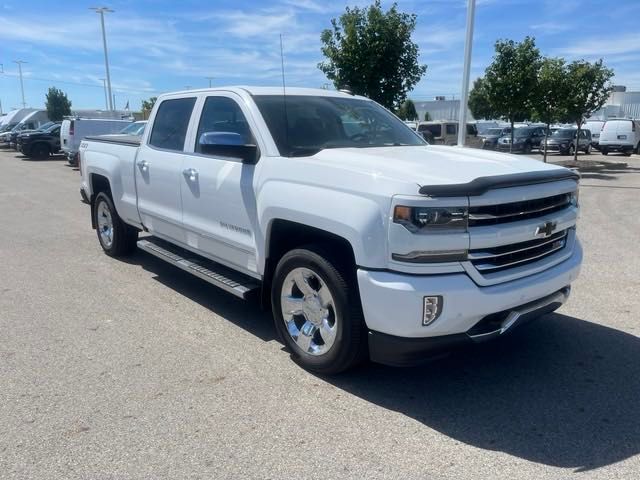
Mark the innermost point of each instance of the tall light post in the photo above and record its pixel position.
(20, 62)
(209, 78)
(464, 96)
(102, 11)
(106, 98)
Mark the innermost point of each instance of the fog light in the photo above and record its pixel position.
(431, 309)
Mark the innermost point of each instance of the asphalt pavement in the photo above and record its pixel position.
(133, 369)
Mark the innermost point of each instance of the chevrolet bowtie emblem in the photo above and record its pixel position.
(546, 230)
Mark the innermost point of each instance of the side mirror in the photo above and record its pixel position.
(228, 144)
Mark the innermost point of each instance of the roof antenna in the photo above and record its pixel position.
(284, 99)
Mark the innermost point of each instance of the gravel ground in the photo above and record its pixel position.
(118, 370)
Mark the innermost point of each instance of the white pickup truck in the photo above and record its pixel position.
(364, 239)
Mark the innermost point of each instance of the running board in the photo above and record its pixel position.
(223, 277)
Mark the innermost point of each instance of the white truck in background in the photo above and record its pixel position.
(75, 129)
(365, 240)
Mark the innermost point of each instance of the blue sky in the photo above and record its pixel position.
(159, 46)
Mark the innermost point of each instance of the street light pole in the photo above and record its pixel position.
(464, 96)
(102, 11)
(106, 98)
(20, 62)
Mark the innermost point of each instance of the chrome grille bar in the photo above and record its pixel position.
(515, 211)
(484, 255)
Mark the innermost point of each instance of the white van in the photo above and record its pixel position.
(595, 127)
(75, 129)
(620, 135)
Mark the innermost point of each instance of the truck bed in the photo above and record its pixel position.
(131, 140)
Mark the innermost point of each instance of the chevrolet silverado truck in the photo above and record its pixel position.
(366, 241)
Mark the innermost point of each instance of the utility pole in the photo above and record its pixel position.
(102, 11)
(20, 62)
(464, 96)
(209, 78)
(106, 98)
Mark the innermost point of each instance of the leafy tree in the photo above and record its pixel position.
(407, 110)
(427, 117)
(57, 104)
(590, 87)
(370, 52)
(510, 81)
(552, 93)
(147, 106)
(479, 101)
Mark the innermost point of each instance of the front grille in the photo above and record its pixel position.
(488, 260)
(516, 211)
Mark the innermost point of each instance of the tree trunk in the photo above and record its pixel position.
(512, 132)
(575, 152)
(546, 135)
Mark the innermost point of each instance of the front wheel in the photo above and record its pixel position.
(588, 150)
(116, 238)
(604, 151)
(572, 150)
(40, 151)
(317, 311)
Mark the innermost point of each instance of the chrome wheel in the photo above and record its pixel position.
(105, 224)
(309, 312)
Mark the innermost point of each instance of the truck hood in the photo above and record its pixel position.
(422, 165)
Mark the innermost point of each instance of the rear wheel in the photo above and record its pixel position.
(526, 149)
(116, 238)
(317, 311)
(604, 151)
(588, 150)
(40, 151)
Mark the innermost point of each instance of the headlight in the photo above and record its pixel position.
(416, 219)
(574, 198)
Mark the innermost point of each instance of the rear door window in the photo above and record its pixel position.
(171, 124)
(451, 129)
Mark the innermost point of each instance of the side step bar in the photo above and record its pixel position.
(223, 277)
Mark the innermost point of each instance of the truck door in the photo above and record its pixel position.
(158, 169)
(218, 198)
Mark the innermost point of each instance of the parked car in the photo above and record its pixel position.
(525, 139)
(564, 141)
(490, 139)
(620, 135)
(75, 129)
(41, 143)
(361, 236)
(15, 134)
(595, 127)
(31, 122)
(12, 118)
(135, 129)
(446, 133)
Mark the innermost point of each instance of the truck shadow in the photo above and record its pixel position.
(561, 391)
(246, 315)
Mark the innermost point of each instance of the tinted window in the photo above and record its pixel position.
(451, 129)
(313, 123)
(222, 114)
(435, 129)
(171, 123)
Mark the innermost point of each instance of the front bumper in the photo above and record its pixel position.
(393, 306)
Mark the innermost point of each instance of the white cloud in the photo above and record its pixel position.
(601, 46)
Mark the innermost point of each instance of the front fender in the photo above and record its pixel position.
(359, 219)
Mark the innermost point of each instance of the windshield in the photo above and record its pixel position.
(563, 133)
(311, 124)
(495, 131)
(45, 126)
(523, 132)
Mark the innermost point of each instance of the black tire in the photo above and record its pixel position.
(124, 237)
(587, 150)
(572, 150)
(40, 151)
(526, 149)
(349, 347)
(627, 153)
(604, 151)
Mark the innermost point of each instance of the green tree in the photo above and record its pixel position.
(552, 93)
(370, 52)
(590, 87)
(147, 106)
(510, 81)
(407, 110)
(57, 104)
(479, 101)
(427, 117)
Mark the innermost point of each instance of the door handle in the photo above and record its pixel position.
(144, 165)
(191, 174)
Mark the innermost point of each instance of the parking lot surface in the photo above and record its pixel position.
(117, 370)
